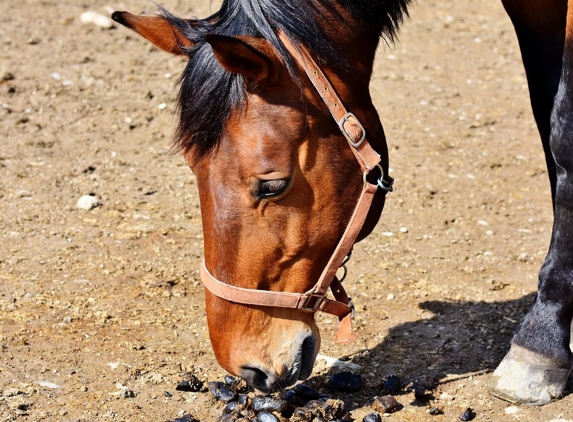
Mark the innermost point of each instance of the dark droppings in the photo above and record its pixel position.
(269, 403)
(435, 411)
(372, 417)
(190, 383)
(266, 417)
(468, 415)
(301, 404)
(305, 392)
(227, 395)
(345, 382)
(392, 384)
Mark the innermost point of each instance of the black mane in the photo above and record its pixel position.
(208, 93)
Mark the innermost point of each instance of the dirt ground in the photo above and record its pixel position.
(101, 311)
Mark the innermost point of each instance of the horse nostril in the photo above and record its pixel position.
(258, 378)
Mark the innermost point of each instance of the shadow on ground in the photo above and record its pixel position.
(455, 341)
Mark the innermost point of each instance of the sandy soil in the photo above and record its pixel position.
(102, 311)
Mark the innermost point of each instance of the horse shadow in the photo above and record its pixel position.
(456, 341)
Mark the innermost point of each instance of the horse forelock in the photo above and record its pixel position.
(208, 93)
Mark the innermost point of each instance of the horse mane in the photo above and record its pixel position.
(208, 93)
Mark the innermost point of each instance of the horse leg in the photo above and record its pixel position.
(537, 367)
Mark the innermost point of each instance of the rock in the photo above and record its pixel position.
(87, 202)
(97, 19)
(346, 382)
(386, 404)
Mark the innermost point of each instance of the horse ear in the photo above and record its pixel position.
(251, 57)
(156, 29)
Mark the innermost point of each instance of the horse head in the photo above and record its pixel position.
(277, 180)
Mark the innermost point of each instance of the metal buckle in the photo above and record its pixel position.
(312, 303)
(347, 135)
(381, 183)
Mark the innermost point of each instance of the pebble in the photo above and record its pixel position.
(346, 382)
(87, 202)
(468, 415)
(386, 404)
(97, 19)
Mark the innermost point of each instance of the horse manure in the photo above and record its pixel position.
(305, 392)
(185, 418)
(215, 387)
(231, 381)
(468, 415)
(436, 410)
(191, 385)
(243, 401)
(372, 417)
(268, 404)
(266, 417)
(227, 395)
(231, 407)
(386, 404)
(293, 399)
(345, 382)
(316, 410)
(392, 384)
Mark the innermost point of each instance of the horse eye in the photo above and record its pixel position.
(271, 188)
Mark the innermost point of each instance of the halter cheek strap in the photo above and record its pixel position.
(315, 299)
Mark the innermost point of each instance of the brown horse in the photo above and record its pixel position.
(279, 179)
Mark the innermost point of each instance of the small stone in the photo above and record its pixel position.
(403, 230)
(386, 404)
(167, 394)
(346, 382)
(468, 415)
(162, 106)
(87, 202)
(391, 296)
(97, 19)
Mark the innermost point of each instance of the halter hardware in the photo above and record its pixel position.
(341, 125)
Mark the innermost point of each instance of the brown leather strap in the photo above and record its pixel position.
(349, 125)
(315, 299)
(304, 302)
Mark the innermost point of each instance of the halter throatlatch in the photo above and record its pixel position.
(315, 299)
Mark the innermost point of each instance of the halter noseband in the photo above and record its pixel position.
(315, 299)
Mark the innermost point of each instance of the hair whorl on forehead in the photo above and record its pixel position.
(208, 93)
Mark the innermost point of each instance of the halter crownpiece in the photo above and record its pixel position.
(315, 299)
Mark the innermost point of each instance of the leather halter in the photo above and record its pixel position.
(315, 299)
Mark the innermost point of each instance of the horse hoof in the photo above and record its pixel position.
(528, 378)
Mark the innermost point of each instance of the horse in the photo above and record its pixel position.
(277, 123)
